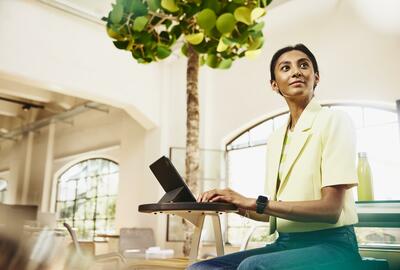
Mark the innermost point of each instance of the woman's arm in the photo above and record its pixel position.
(253, 215)
(325, 210)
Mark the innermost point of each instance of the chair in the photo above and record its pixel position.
(115, 257)
(133, 242)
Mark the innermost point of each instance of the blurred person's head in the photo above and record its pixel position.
(13, 256)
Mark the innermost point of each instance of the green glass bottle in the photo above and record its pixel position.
(365, 187)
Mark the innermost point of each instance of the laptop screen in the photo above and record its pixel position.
(171, 181)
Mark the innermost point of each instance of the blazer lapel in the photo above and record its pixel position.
(275, 148)
(300, 136)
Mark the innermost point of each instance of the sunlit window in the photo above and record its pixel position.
(86, 197)
(377, 135)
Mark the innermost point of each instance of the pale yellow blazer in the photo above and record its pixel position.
(322, 153)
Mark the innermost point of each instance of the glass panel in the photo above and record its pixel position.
(102, 188)
(113, 167)
(111, 207)
(243, 140)
(110, 226)
(113, 184)
(373, 117)
(260, 133)
(82, 188)
(62, 191)
(71, 190)
(101, 225)
(355, 114)
(67, 211)
(94, 167)
(101, 210)
(92, 187)
(384, 159)
(72, 173)
(89, 208)
(247, 170)
(280, 121)
(80, 209)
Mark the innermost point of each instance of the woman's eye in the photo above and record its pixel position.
(304, 65)
(285, 68)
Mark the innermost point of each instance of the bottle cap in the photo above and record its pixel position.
(362, 154)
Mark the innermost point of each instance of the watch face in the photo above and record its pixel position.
(262, 199)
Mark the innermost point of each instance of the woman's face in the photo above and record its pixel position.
(294, 76)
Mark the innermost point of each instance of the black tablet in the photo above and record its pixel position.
(171, 181)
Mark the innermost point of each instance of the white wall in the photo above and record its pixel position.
(61, 52)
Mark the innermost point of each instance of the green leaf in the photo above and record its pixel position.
(212, 60)
(112, 33)
(169, 5)
(225, 64)
(202, 60)
(184, 49)
(163, 52)
(257, 13)
(222, 46)
(252, 54)
(154, 5)
(226, 23)
(122, 45)
(194, 38)
(116, 14)
(256, 44)
(214, 5)
(257, 27)
(201, 48)
(176, 31)
(138, 8)
(243, 14)
(140, 23)
(206, 19)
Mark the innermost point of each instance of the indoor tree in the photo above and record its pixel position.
(211, 32)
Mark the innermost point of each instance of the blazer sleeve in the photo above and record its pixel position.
(338, 161)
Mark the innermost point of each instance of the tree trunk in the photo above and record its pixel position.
(192, 135)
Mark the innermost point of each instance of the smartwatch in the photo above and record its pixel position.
(261, 203)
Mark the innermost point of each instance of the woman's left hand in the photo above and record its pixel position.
(228, 195)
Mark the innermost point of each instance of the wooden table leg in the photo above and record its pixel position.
(219, 244)
(194, 249)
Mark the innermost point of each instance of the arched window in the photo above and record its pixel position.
(377, 135)
(86, 197)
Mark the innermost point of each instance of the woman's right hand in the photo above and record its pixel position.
(228, 195)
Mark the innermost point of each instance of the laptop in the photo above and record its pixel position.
(176, 188)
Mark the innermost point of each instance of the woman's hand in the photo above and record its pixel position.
(228, 195)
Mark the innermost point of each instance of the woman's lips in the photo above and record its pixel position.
(297, 82)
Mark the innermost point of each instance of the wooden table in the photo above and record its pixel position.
(195, 214)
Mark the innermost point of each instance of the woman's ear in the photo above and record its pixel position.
(274, 86)
(316, 75)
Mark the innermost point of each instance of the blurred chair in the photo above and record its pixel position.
(115, 257)
(133, 242)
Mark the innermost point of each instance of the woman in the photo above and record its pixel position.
(310, 170)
